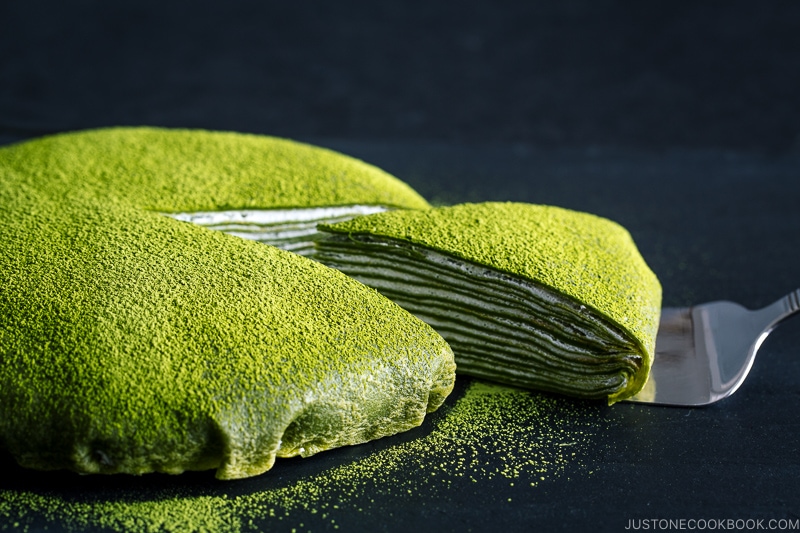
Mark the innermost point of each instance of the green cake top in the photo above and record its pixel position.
(149, 325)
(173, 170)
(585, 257)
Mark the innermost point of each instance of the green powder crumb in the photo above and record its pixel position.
(490, 432)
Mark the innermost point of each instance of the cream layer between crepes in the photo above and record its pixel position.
(289, 229)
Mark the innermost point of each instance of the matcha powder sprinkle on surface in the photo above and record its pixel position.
(487, 432)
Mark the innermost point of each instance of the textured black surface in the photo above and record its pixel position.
(678, 120)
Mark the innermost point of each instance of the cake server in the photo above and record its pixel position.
(704, 352)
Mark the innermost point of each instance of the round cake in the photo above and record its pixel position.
(131, 342)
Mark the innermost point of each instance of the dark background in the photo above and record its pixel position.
(650, 75)
(680, 120)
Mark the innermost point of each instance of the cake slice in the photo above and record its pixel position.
(134, 343)
(262, 188)
(528, 295)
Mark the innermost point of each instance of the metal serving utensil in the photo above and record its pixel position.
(703, 353)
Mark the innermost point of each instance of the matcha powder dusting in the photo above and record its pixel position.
(490, 432)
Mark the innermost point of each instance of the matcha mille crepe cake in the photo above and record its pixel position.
(131, 343)
(257, 187)
(534, 296)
